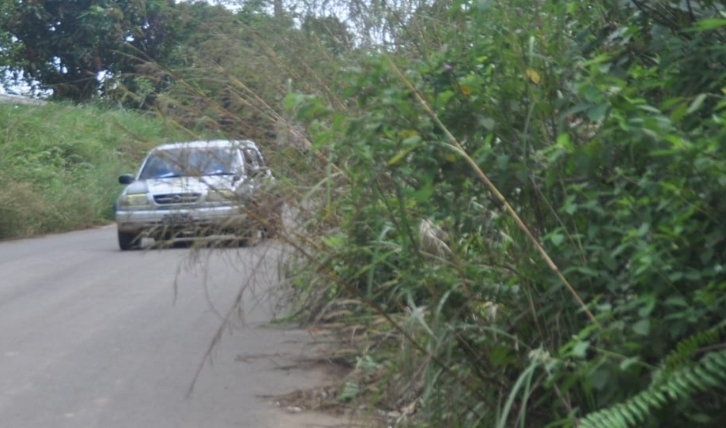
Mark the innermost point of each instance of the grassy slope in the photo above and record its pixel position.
(59, 164)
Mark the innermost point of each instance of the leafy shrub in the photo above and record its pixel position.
(60, 164)
(610, 153)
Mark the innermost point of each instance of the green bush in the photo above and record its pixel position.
(59, 164)
(610, 151)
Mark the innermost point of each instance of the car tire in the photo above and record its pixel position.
(181, 244)
(251, 236)
(128, 241)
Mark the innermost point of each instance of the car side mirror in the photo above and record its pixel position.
(126, 179)
(258, 172)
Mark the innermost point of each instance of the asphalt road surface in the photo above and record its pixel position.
(92, 337)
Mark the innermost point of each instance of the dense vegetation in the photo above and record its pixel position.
(511, 210)
(59, 164)
(535, 192)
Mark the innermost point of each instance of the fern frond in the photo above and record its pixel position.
(707, 374)
(686, 349)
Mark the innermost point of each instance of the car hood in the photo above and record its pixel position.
(165, 186)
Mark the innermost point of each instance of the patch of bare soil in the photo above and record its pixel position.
(323, 399)
(312, 420)
(334, 397)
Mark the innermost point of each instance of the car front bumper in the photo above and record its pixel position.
(196, 220)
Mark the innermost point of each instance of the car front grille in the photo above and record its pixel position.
(176, 198)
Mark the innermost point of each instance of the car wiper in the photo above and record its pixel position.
(219, 173)
(168, 175)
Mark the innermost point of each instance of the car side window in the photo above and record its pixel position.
(252, 163)
(260, 160)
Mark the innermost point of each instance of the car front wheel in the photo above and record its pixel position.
(128, 241)
(251, 236)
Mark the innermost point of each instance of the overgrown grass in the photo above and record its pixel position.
(59, 164)
(519, 227)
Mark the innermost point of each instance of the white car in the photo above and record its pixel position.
(190, 189)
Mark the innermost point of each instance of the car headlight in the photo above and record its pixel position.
(222, 195)
(133, 200)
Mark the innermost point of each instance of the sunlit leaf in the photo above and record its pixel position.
(533, 76)
(696, 104)
(580, 349)
(557, 239)
(710, 24)
(401, 154)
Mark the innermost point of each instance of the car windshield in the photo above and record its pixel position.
(189, 162)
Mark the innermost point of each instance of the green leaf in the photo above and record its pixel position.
(626, 363)
(500, 356)
(293, 100)
(592, 93)
(502, 162)
(585, 270)
(706, 255)
(443, 98)
(557, 239)
(598, 112)
(563, 140)
(580, 350)
(411, 141)
(701, 418)
(570, 206)
(642, 327)
(486, 122)
(693, 275)
(609, 261)
(649, 301)
(696, 104)
(675, 276)
(350, 390)
(533, 76)
(401, 154)
(676, 301)
(643, 229)
(599, 378)
(710, 24)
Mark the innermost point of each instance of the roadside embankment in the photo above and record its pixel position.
(59, 163)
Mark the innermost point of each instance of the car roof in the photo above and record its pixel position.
(206, 144)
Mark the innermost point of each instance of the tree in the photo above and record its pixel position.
(64, 45)
(330, 31)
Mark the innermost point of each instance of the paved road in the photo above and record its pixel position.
(19, 99)
(93, 337)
